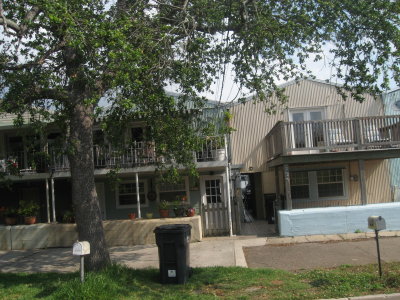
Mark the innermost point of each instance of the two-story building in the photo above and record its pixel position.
(319, 164)
(44, 175)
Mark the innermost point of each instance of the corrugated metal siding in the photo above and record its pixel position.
(252, 123)
(389, 100)
(377, 182)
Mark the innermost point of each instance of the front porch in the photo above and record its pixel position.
(326, 163)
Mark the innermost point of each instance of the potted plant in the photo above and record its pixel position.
(41, 161)
(132, 216)
(12, 167)
(68, 217)
(163, 209)
(10, 216)
(217, 146)
(179, 209)
(190, 212)
(29, 210)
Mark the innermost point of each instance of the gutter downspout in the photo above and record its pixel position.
(228, 187)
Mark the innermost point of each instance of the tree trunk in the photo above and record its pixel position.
(84, 196)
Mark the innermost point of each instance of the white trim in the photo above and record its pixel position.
(203, 187)
(119, 206)
(187, 191)
(313, 186)
(307, 129)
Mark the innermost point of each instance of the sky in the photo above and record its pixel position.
(320, 69)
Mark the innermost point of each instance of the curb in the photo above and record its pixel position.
(240, 260)
(370, 297)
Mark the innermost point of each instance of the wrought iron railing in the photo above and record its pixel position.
(136, 155)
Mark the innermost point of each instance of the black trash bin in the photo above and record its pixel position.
(173, 252)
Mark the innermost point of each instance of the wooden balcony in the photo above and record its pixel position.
(356, 135)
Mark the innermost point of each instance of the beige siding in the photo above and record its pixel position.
(377, 182)
(7, 120)
(252, 123)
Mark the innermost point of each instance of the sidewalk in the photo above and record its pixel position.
(226, 251)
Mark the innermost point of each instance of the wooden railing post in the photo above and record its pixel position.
(288, 201)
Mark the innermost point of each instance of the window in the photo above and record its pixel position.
(330, 183)
(318, 184)
(173, 191)
(127, 196)
(137, 134)
(300, 185)
(213, 190)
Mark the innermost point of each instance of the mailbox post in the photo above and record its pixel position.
(377, 223)
(81, 249)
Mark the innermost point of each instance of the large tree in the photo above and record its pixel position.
(67, 56)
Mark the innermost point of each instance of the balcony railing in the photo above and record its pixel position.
(137, 155)
(287, 138)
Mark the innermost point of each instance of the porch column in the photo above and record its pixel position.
(363, 187)
(47, 200)
(228, 195)
(138, 195)
(228, 186)
(277, 187)
(288, 201)
(53, 199)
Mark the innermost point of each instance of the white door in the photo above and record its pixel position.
(212, 190)
(215, 210)
(306, 135)
(101, 198)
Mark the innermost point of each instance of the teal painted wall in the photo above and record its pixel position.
(113, 212)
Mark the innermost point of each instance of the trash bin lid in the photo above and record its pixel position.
(172, 228)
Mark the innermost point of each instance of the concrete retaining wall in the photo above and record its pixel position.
(334, 220)
(117, 232)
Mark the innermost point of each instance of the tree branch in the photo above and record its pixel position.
(38, 93)
(18, 29)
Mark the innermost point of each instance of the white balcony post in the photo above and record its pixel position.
(47, 201)
(228, 187)
(138, 195)
(53, 199)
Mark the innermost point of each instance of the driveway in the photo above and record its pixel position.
(300, 256)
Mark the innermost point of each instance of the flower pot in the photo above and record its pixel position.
(132, 216)
(190, 212)
(30, 220)
(179, 212)
(218, 154)
(10, 220)
(164, 213)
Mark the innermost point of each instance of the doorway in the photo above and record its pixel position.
(306, 134)
(214, 206)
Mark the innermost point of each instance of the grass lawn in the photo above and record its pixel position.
(119, 282)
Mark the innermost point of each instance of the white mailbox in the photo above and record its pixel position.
(376, 223)
(81, 248)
